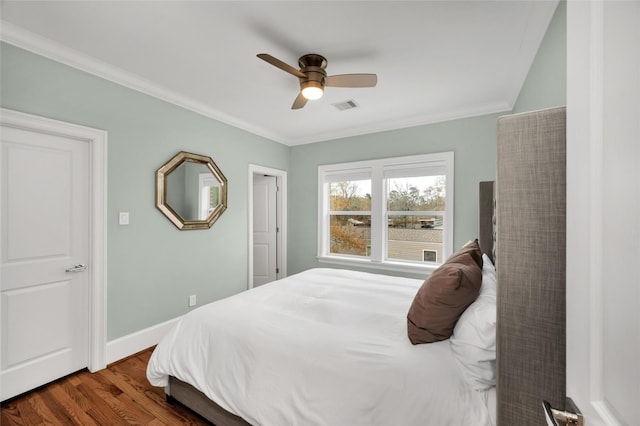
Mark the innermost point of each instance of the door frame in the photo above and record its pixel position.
(97, 140)
(281, 219)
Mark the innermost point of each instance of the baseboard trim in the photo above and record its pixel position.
(130, 344)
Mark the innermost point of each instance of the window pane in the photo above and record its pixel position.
(350, 234)
(352, 195)
(413, 237)
(423, 193)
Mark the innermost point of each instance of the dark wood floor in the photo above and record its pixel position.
(117, 395)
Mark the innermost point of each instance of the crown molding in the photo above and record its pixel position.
(415, 121)
(24, 39)
(27, 40)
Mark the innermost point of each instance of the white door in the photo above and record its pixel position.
(44, 200)
(264, 229)
(603, 210)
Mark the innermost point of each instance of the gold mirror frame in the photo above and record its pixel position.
(161, 191)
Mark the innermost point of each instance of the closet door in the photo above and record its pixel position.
(45, 254)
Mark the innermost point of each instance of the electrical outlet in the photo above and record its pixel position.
(192, 300)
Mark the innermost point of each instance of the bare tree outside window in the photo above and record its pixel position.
(350, 234)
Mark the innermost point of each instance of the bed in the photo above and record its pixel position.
(325, 346)
(330, 346)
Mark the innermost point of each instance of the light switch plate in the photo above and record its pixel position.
(123, 218)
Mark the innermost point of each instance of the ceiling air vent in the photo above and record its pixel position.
(343, 106)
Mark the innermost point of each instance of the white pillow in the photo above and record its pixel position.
(474, 337)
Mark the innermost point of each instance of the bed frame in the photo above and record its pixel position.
(192, 398)
(522, 229)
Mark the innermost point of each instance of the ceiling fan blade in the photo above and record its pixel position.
(352, 80)
(300, 102)
(282, 65)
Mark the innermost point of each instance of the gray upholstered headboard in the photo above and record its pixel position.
(530, 198)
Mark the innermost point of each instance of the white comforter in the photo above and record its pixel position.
(323, 347)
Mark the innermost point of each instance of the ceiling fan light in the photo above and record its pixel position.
(312, 90)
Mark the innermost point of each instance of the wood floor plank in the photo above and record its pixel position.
(94, 404)
(62, 415)
(95, 412)
(118, 395)
(78, 398)
(75, 379)
(74, 411)
(153, 403)
(113, 397)
(11, 415)
(28, 415)
(47, 417)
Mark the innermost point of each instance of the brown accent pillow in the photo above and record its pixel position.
(444, 296)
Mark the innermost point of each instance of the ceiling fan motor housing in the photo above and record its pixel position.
(314, 67)
(312, 60)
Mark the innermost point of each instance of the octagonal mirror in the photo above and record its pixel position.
(191, 191)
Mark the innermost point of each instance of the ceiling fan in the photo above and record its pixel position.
(313, 77)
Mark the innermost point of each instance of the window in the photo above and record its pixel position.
(393, 213)
(209, 194)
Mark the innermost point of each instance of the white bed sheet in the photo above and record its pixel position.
(322, 347)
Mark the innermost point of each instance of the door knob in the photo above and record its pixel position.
(78, 268)
(566, 417)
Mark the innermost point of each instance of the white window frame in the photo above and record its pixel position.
(378, 260)
(205, 182)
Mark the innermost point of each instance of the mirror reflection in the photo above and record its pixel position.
(191, 191)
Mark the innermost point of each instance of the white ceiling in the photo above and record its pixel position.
(435, 60)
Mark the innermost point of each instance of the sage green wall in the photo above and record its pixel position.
(471, 139)
(152, 266)
(546, 83)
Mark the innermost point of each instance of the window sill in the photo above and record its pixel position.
(386, 266)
